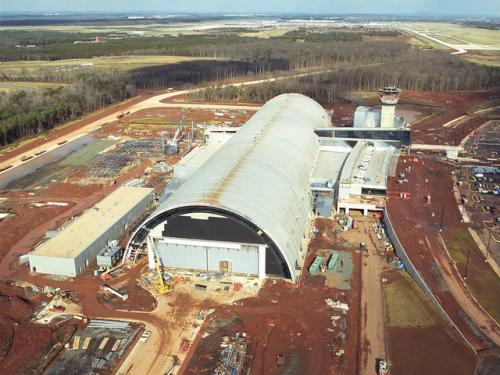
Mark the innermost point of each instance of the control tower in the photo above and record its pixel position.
(389, 97)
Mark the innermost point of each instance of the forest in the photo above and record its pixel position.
(409, 68)
(348, 64)
(25, 114)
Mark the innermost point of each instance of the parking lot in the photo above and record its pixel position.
(480, 193)
(485, 142)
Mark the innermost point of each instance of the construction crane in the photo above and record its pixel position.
(172, 147)
(159, 285)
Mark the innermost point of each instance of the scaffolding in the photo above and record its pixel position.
(108, 165)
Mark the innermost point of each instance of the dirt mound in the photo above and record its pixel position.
(24, 346)
(14, 310)
(14, 307)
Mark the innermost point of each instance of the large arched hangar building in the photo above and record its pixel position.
(248, 208)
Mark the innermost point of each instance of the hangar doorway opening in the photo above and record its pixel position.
(215, 242)
(212, 256)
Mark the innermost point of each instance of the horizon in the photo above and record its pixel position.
(323, 8)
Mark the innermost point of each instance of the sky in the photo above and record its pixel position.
(438, 7)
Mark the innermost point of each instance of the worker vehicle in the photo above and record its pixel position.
(145, 336)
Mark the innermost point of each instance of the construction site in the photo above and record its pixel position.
(166, 237)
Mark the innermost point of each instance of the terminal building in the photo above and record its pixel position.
(244, 202)
(363, 181)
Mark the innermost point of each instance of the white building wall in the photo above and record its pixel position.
(74, 266)
(207, 255)
(372, 118)
(359, 116)
(387, 116)
(53, 265)
(366, 117)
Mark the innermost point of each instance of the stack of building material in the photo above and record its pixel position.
(108, 324)
(332, 262)
(315, 265)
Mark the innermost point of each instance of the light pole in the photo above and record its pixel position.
(488, 247)
(442, 217)
(467, 265)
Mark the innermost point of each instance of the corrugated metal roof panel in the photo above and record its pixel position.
(263, 172)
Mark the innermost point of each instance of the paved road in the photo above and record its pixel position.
(459, 48)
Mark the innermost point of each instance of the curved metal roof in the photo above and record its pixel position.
(263, 172)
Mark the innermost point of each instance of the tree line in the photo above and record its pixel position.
(415, 70)
(25, 114)
(356, 66)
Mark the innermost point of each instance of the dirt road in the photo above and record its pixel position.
(372, 303)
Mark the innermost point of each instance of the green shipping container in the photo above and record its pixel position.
(332, 262)
(314, 267)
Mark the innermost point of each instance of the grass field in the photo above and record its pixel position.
(268, 32)
(406, 305)
(15, 68)
(486, 104)
(151, 29)
(86, 154)
(481, 279)
(420, 341)
(147, 29)
(11, 86)
(458, 34)
(490, 58)
(422, 42)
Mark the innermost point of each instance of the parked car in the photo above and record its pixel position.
(145, 336)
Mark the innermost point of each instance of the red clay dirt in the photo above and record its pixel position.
(430, 130)
(23, 345)
(27, 228)
(289, 319)
(415, 226)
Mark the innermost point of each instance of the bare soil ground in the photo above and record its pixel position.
(430, 130)
(292, 320)
(420, 340)
(417, 226)
(22, 340)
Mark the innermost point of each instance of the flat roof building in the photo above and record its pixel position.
(363, 181)
(77, 245)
